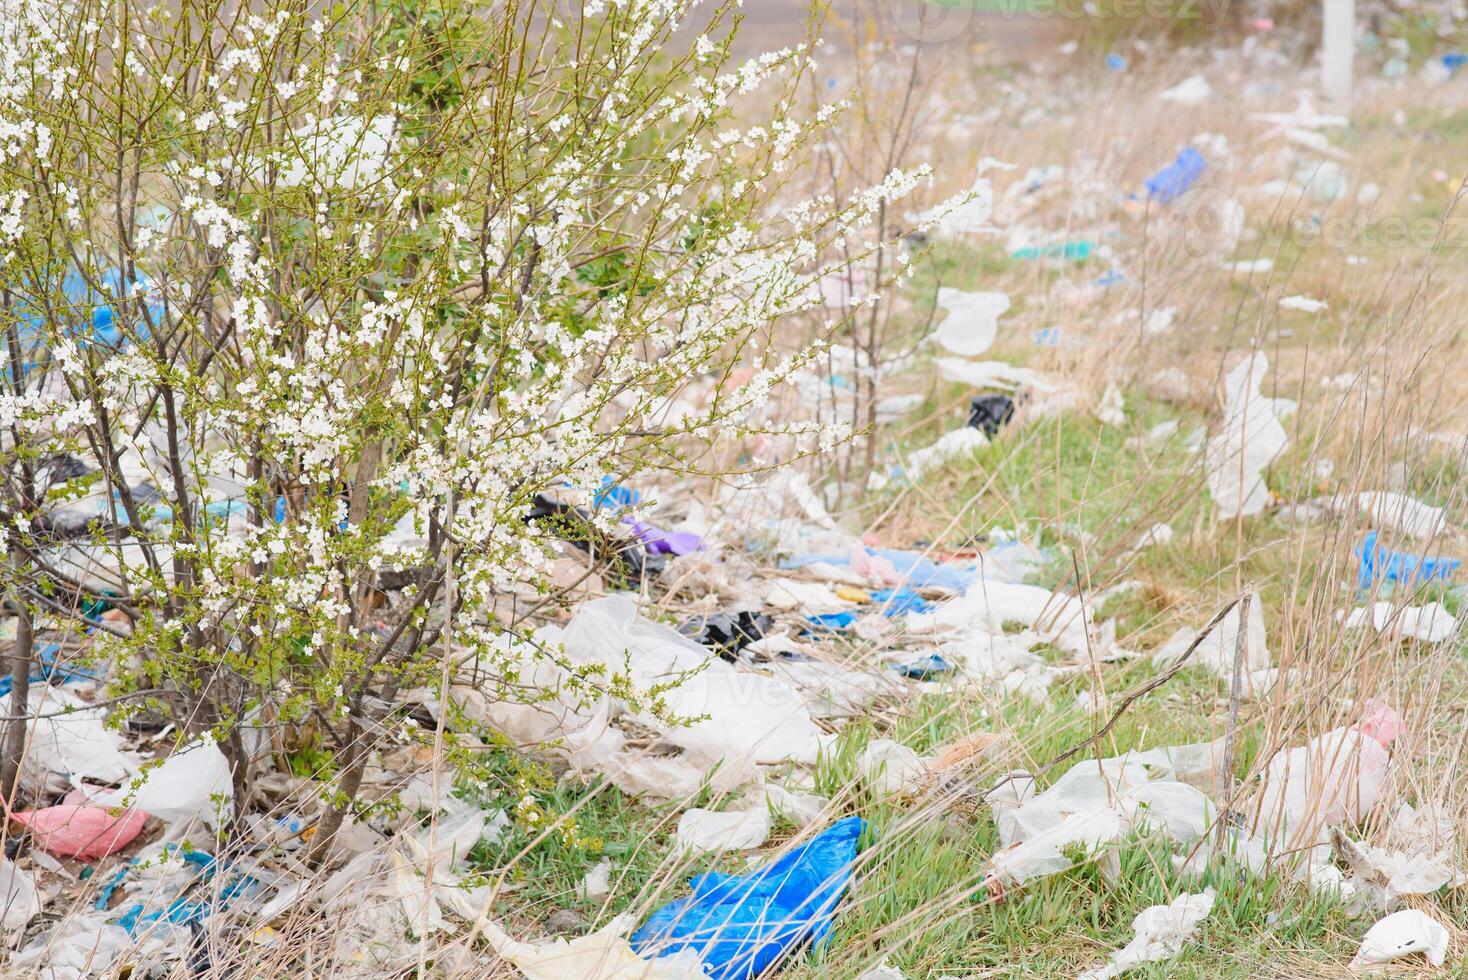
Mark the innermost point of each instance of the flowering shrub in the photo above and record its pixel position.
(299, 296)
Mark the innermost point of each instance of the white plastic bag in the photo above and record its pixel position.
(706, 831)
(749, 716)
(1337, 777)
(972, 321)
(1402, 934)
(192, 783)
(68, 741)
(1246, 443)
(602, 955)
(891, 769)
(1161, 931)
(20, 902)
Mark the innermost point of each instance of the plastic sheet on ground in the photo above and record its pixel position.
(749, 717)
(68, 740)
(1217, 650)
(1161, 932)
(1430, 623)
(741, 925)
(989, 604)
(602, 955)
(1403, 934)
(1403, 514)
(1175, 810)
(1248, 440)
(712, 832)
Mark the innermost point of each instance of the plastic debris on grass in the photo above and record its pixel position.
(1161, 932)
(1430, 623)
(741, 925)
(1178, 177)
(602, 955)
(1247, 441)
(1381, 564)
(1402, 934)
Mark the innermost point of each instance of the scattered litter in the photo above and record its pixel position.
(1430, 623)
(1190, 91)
(1303, 304)
(710, 832)
(1161, 932)
(990, 413)
(1178, 177)
(1402, 934)
(972, 322)
(741, 925)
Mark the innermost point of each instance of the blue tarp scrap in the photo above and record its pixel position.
(1178, 177)
(900, 602)
(925, 668)
(50, 670)
(181, 911)
(741, 925)
(828, 622)
(1380, 563)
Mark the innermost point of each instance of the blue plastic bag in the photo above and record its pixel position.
(900, 602)
(1380, 563)
(1178, 177)
(740, 925)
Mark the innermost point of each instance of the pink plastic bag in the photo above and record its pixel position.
(81, 830)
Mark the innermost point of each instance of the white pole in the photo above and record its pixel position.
(1338, 49)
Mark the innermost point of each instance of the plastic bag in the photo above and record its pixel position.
(741, 925)
(749, 716)
(709, 832)
(1217, 651)
(1161, 931)
(972, 321)
(1335, 778)
(603, 955)
(20, 901)
(1402, 934)
(1381, 564)
(1430, 623)
(68, 740)
(892, 769)
(192, 783)
(81, 830)
(1403, 514)
(1178, 177)
(1247, 442)
(990, 413)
